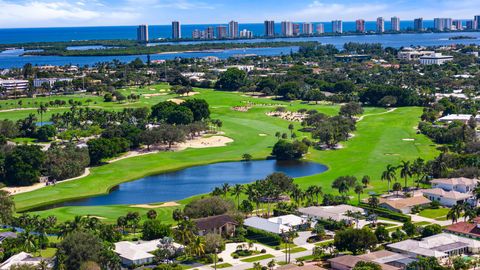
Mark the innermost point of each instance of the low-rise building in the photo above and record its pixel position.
(403, 205)
(20, 259)
(138, 253)
(50, 81)
(222, 224)
(266, 225)
(411, 54)
(5, 235)
(348, 262)
(435, 59)
(13, 87)
(292, 221)
(458, 117)
(440, 246)
(336, 212)
(466, 229)
(461, 184)
(447, 198)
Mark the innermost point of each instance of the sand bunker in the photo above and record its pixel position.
(213, 141)
(154, 95)
(262, 135)
(97, 217)
(289, 116)
(153, 206)
(18, 190)
(408, 140)
(176, 100)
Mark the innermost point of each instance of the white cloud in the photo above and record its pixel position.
(323, 11)
(183, 4)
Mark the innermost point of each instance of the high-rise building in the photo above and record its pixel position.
(196, 34)
(210, 32)
(337, 26)
(360, 25)
(307, 28)
(269, 28)
(246, 34)
(469, 25)
(457, 24)
(142, 33)
(395, 21)
(380, 25)
(442, 24)
(222, 32)
(476, 24)
(287, 29)
(320, 28)
(296, 29)
(233, 29)
(176, 30)
(418, 24)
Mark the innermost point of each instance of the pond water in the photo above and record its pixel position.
(195, 180)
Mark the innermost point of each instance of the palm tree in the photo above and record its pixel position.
(373, 201)
(297, 195)
(397, 187)
(41, 110)
(198, 246)
(455, 212)
(29, 241)
(359, 191)
(257, 266)
(237, 191)
(476, 193)
(151, 214)
(366, 181)
(254, 195)
(225, 189)
(271, 264)
(405, 171)
(468, 212)
(389, 174)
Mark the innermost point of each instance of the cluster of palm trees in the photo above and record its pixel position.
(184, 234)
(462, 209)
(416, 169)
(275, 188)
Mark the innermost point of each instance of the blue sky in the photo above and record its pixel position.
(61, 13)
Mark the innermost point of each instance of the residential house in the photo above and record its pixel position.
(466, 229)
(222, 224)
(19, 259)
(447, 198)
(461, 184)
(440, 246)
(336, 212)
(403, 205)
(348, 262)
(137, 253)
(303, 267)
(464, 118)
(5, 235)
(292, 221)
(266, 225)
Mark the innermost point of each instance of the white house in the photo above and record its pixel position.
(435, 59)
(439, 246)
(138, 253)
(21, 258)
(447, 198)
(458, 117)
(290, 220)
(337, 212)
(462, 184)
(266, 225)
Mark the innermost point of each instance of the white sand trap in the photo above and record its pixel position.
(408, 140)
(262, 135)
(151, 206)
(391, 154)
(98, 217)
(18, 190)
(154, 95)
(176, 100)
(213, 141)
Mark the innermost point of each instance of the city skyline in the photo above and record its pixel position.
(65, 13)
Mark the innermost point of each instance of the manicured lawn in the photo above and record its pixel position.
(324, 243)
(222, 265)
(434, 213)
(378, 141)
(48, 252)
(295, 250)
(258, 258)
(422, 223)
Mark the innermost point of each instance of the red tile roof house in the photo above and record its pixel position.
(222, 224)
(348, 262)
(466, 229)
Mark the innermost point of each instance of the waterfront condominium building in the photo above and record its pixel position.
(210, 32)
(246, 34)
(222, 32)
(287, 28)
(296, 29)
(418, 24)
(380, 25)
(457, 24)
(469, 25)
(196, 34)
(476, 22)
(442, 24)
(269, 28)
(176, 30)
(233, 29)
(337, 26)
(360, 25)
(307, 28)
(320, 28)
(395, 21)
(142, 33)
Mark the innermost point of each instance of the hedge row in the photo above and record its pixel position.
(386, 213)
(267, 238)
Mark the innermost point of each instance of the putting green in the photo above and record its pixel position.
(378, 141)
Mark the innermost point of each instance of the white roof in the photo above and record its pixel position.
(336, 212)
(427, 246)
(456, 181)
(137, 251)
(288, 220)
(452, 117)
(21, 258)
(452, 194)
(265, 225)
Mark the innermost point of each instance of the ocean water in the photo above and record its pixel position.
(22, 35)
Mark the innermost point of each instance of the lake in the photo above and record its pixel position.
(195, 180)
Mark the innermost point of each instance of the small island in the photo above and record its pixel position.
(461, 37)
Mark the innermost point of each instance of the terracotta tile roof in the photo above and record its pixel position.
(455, 195)
(465, 228)
(210, 223)
(350, 261)
(455, 181)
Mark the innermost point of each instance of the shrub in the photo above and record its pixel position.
(267, 238)
(263, 250)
